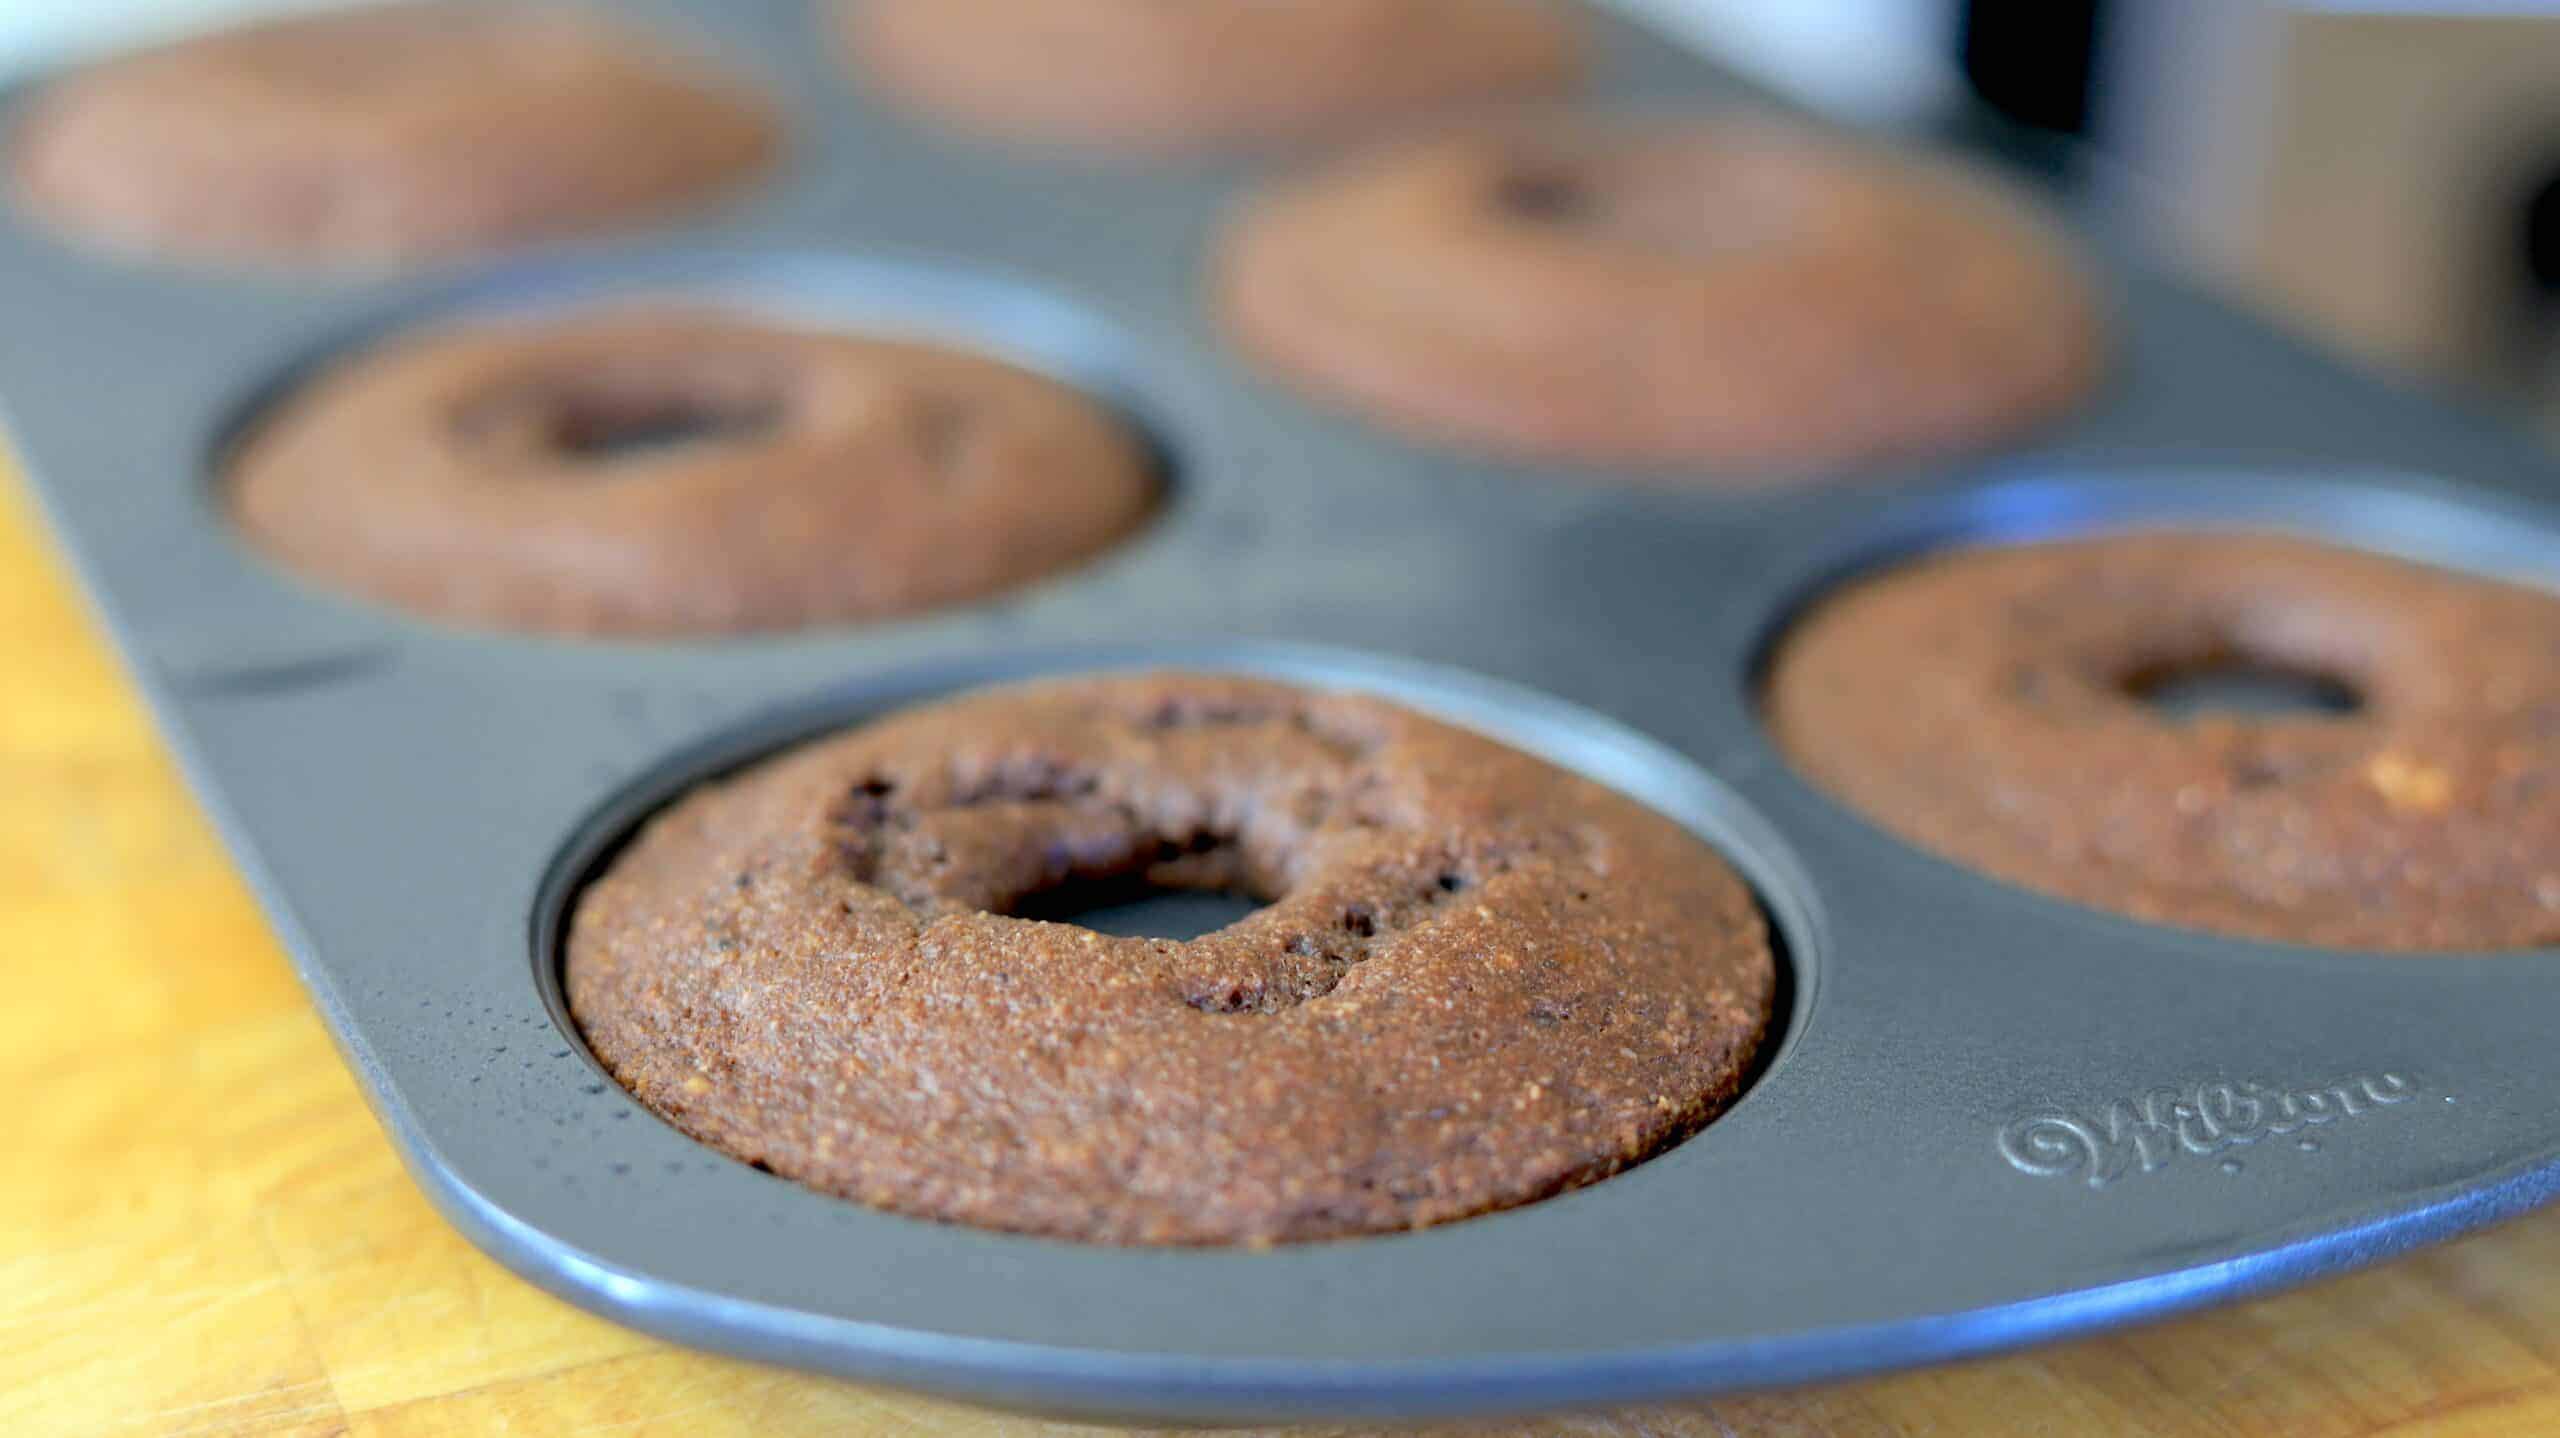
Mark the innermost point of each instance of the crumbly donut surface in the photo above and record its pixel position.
(1728, 299)
(1478, 980)
(387, 133)
(1987, 705)
(489, 474)
(1159, 76)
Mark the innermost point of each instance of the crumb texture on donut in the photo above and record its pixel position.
(1157, 76)
(661, 470)
(1478, 980)
(1730, 298)
(386, 133)
(1989, 706)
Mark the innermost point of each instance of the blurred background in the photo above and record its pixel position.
(2383, 174)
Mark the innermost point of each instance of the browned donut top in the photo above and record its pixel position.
(667, 471)
(1989, 706)
(385, 133)
(1478, 980)
(1172, 75)
(1733, 295)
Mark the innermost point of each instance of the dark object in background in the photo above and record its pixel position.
(2032, 60)
(2532, 347)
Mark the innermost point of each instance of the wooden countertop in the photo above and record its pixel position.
(202, 1231)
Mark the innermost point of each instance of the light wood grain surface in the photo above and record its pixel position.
(202, 1231)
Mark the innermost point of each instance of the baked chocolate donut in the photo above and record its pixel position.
(1990, 706)
(1479, 980)
(1725, 297)
(383, 134)
(664, 471)
(1189, 75)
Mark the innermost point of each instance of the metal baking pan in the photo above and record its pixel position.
(1992, 1118)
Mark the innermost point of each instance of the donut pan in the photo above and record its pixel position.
(1992, 1118)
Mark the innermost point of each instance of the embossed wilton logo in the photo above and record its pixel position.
(2143, 1134)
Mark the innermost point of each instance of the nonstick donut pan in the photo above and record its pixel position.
(1992, 1118)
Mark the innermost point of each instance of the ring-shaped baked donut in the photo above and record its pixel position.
(386, 133)
(666, 471)
(1478, 980)
(1157, 76)
(1991, 706)
(1730, 298)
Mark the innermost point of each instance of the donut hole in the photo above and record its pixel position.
(1185, 888)
(1137, 906)
(1674, 207)
(2229, 682)
(1541, 194)
(596, 432)
(613, 414)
